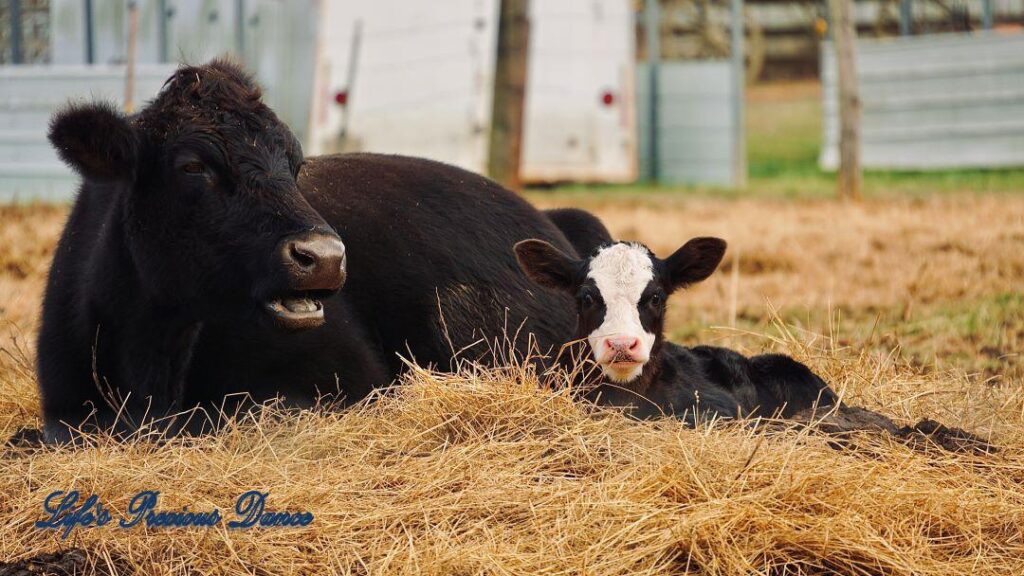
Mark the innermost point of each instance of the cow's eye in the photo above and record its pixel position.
(193, 168)
(655, 300)
(586, 300)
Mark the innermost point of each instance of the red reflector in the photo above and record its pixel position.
(608, 98)
(341, 97)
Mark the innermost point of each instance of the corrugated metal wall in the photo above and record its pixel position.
(784, 32)
(276, 43)
(696, 128)
(275, 39)
(29, 167)
(934, 102)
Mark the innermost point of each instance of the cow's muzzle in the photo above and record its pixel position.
(314, 265)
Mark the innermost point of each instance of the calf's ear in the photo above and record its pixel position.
(695, 261)
(96, 140)
(547, 265)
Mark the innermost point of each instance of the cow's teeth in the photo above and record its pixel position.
(300, 305)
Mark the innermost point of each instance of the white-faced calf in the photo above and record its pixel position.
(621, 291)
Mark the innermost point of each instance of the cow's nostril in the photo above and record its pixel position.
(622, 343)
(302, 256)
(313, 261)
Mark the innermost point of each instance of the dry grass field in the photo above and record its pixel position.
(912, 307)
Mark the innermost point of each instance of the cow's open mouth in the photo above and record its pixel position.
(297, 311)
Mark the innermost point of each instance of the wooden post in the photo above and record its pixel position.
(849, 178)
(129, 73)
(506, 140)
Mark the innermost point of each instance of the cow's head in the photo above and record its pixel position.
(620, 291)
(205, 178)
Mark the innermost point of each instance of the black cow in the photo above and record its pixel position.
(621, 291)
(203, 258)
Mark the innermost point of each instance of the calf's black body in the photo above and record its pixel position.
(702, 382)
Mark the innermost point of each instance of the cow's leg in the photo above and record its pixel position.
(71, 396)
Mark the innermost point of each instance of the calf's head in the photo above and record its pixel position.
(621, 292)
(204, 180)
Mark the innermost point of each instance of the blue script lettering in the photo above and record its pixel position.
(63, 513)
(251, 511)
(138, 506)
(142, 508)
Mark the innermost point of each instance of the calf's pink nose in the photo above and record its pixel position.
(622, 343)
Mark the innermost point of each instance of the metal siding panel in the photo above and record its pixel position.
(934, 102)
(29, 95)
(201, 29)
(67, 34)
(695, 139)
(943, 153)
(690, 172)
(280, 40)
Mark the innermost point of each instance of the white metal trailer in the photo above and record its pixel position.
(413, 77)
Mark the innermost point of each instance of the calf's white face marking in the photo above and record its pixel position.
(621, 273)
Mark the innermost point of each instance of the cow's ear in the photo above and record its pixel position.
(547, 265)
(695, 261)
(96, 140)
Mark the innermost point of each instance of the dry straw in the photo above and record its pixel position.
(487, 472)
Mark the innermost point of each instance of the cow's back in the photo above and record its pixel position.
(430, 259)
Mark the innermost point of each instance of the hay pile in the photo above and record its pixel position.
(483, 472)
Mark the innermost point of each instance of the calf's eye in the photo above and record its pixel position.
(193, 168)
(587, 300)
(655, 300)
